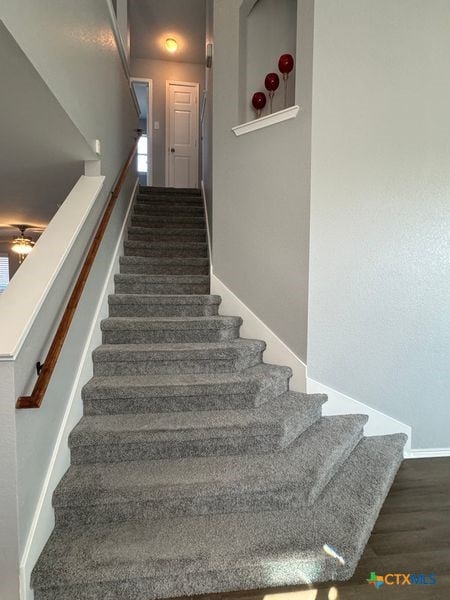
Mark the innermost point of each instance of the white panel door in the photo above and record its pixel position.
(182, 135)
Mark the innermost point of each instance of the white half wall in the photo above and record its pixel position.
(43, 520)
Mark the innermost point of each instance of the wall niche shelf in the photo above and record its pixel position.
(267, 120)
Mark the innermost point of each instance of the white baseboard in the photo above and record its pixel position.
(427, 453)
(378, 423)
(277, 352)
(44, 519)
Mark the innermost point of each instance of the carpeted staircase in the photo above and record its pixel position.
(194, 468)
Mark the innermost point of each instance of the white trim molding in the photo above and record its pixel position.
(267, 120)
(427, 453)
(277, 352)
(43, 519)
(338, 404)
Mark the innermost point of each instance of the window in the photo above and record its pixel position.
(4, 272)
(142, 154)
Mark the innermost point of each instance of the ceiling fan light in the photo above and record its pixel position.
(22, 246)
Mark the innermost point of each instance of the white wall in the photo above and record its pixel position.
(161, 71)
(261, 189)
(9, 513)
(380, 216)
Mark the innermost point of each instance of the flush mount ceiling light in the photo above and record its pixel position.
(171, 45)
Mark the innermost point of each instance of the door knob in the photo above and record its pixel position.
(172, 150)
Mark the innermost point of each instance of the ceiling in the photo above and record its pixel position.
(153, 21)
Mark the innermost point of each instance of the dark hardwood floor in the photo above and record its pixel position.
(411, 535)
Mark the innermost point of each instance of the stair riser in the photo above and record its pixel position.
(191, 400)
(161, 288)
(115, 451)
(185, 235)
(146, 269)
(152, 190)
(229, 501)
(205, 583)
(338, 461)
(146, 219)
(170, 336)
(163, 310)
(228, 579)
(167, 251)
(179, 403)
(188, 198)
(166, 367)
(170, 210)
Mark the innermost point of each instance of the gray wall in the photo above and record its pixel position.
(161, 71)
(380, 276)
(262, 188)
(80, 66)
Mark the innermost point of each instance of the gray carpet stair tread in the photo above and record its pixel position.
(163, 299)
(209, 350)
(249, 380)
(168, 323)
(217, 553)
(217, 475)
(271, 419)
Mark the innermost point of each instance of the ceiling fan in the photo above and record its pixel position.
(22, 244)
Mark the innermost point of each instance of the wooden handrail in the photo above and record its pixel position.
(46, 370)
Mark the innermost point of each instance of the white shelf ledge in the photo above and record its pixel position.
(278, 117)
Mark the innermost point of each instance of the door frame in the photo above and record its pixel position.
(149, 125)
(170, 82)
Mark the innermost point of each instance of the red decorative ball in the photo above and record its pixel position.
(286, 63)
(259, 100)
(272, 82)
